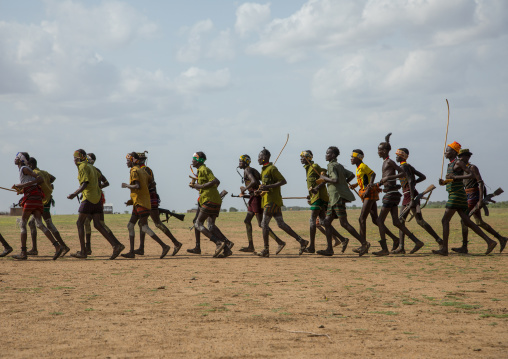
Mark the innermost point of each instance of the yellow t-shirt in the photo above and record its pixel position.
(45, 185)
(140, 196)
(363, 175)
(210, 194)
(87, 173)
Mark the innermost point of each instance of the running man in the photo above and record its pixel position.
(457, 198)
(252, 180)
(272, 181)
(32, 204)
(47, 189)
(139, 183)
(90, 205)
(338, 190)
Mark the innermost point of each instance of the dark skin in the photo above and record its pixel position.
(253, 183)
(329, 156)
(451, 155)
(414, 207)
(391, 171)
(475, 173)
(96, 217)
(319, 213)
(143, 220)
(369, 206)
(36, 213)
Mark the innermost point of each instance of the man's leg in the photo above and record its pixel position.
(445, 221)
(397, 223)
(266, 230)
(154, 214)
(402, 235)
(328, 231)
(422, 223)
(7, 247)
(49, 223)
(38, 222)
(248, 228)
(144, 227)
(33, 233)
(110, 237)
(271, 233)
(199, 225)
(314, 214)
(491, 244)
(23, 236)
(486, 227)
(131, 225)
(88, 234)
(212, 227)
(382, 232)
(286, 228)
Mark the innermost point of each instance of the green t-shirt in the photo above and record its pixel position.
(210, 194)
(312, 177)
(87, 173)
(270, 175)
(340, 190)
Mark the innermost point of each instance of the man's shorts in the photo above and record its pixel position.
(319, 205)
(210, 208)
(154, 200)
(337, 210)
(473, 197)
(254, 204)
(272, 209)
(47, 206)
(88, 207)
(140, 211)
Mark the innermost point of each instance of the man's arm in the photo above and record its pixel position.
(27, 171)
(78, 191)
(254, 182)
(400, 173)
(103, 182)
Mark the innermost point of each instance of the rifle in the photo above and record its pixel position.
(168, 214)
(417, 198)
(222, 195)
(486, 200)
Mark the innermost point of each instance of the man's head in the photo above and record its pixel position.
(401, 155)
(32, 163)
(142, 156)
(306, 157)
(452, 150)
(244, 161)
(465, 155)
(91, 158)
(21, 158)
(264, 156)
(132, 159)
(357, 157)
(332, 153)
(79, 156)
(384, 148)
(198, 159)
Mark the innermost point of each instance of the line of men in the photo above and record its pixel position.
(329, 191)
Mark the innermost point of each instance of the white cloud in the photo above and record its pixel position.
(199, 80)
(191, 52)
(251, 17)
(222, 47)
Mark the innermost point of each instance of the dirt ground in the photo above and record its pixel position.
(412, 306)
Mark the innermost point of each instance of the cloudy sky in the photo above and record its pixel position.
(229, 77)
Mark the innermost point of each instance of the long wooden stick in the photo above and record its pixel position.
(8, 189)
(282, 149)
(446, 138)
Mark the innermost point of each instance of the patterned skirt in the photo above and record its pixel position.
(473, 197)
(140, 211)
(210, 208)
(391, 199)
(457, 200)
(88, 207)
(32, 199)
(272, 209)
